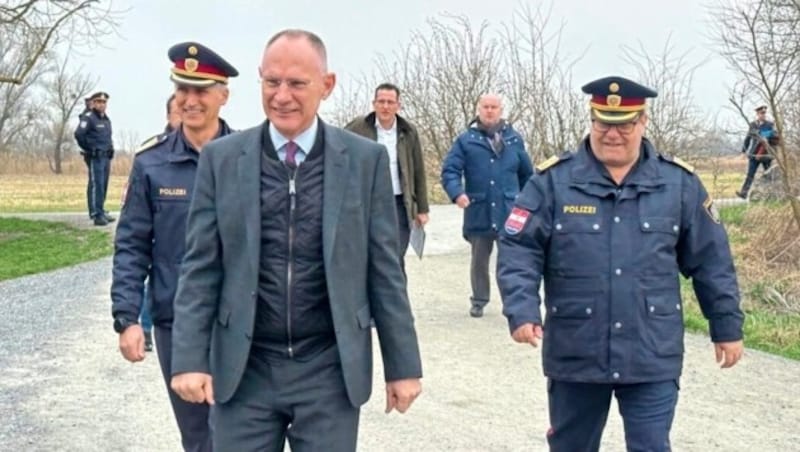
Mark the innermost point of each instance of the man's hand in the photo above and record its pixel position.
(528, 333)
(131, 343)
(400, 394)
(729, 353)
(422, 219)
(193, 387)
(462, 201)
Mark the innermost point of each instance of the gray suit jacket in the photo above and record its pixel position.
(216, 299)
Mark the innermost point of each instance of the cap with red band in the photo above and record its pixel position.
(617, 99)
(197, 65)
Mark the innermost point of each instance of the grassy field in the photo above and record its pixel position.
(49, 192)
(28, 247)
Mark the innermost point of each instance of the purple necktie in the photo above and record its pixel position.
(291, 151)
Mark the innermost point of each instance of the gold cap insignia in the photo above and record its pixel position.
(613, 87)
(191, 64)
(613, 100)
(192, 50)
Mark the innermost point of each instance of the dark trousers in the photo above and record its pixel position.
(752, 168)
(280, 398)
(479, 268)
(97, 186)
(578, 413)
(192, 418)
(404, 228)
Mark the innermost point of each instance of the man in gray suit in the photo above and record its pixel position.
(291, 250)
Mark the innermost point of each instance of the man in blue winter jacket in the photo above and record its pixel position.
(486, 168)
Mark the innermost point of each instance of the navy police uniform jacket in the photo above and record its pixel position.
(94, 135)
(611, 257)
(151, 230)
(491, 180)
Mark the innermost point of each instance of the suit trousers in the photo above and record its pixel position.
(578, 413)
(282, 398)
(192, 418)
(479, 268)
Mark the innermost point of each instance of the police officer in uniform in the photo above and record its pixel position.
(93, 135)
(610, 228)
(149, 241)
(760, 136)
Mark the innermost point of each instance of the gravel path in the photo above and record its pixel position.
(64, 386)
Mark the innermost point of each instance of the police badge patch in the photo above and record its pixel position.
(711, 209)
(516, 220)
(83, 124)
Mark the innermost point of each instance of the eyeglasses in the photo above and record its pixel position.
(292, 84)
(624, 129)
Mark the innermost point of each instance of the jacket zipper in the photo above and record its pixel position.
(290, 262)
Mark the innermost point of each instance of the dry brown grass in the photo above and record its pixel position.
(768, 256)
(28, 185)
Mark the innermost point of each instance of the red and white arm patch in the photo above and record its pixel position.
(516, 220)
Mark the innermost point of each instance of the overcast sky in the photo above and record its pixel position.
(134, 68)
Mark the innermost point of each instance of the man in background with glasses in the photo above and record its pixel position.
(610, 228)
(406, 165)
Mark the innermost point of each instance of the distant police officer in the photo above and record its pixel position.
(149, 239)
(760, 136)
(93, 135)
(610, 228)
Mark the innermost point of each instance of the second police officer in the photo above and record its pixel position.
(610, 228)
(149, 241)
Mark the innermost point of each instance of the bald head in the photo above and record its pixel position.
(490, 109)
(296, 34)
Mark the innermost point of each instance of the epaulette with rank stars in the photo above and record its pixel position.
(151, 143)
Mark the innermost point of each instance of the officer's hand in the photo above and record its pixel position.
(400, 394)
(462, 201)
(422, 219)
(193, 387)
(729, 353)
(131, 343)
(528, 333)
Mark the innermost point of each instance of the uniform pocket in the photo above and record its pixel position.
(664, 324)
(570, 330)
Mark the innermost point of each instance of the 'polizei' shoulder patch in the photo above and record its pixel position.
(711, 209)
(149, 144)
(516, 220)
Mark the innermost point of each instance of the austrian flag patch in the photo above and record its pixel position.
(516, 220)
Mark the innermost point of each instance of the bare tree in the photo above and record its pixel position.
(18, 107)
(536, 77)
(760, 39)
(39, 26)
(443, 70)
(676, 126)
(352, 100)
(65, 92)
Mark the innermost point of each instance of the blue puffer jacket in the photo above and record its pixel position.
(491, 179)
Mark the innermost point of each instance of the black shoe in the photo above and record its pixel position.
(148, 341)
(109, 218)
(741, 194)
(476, 311)
(100, 221)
